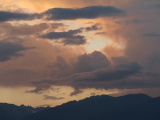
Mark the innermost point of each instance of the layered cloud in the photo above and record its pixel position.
(46, 97)
(10, 49)
(129, 58)
(9, 16)
(90, 62)
(67, 38)
(90, 12)
(89, 71)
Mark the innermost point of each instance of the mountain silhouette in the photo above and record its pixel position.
(104, 107)
(13, 112)
(128, 107)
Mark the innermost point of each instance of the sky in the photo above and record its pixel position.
(54, 51)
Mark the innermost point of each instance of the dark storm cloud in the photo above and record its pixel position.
(116, 73)
(67, 38)
(141, 80)
(90, 12)
(122, 76)
(10, 49)
(8, 16)
(94, 71)
(46, 97)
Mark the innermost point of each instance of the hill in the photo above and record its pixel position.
(129, 107)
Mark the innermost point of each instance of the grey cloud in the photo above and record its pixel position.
(157, 6)
(10, 49)
(37, 90)
(90, 12)
(75, 40)
(94, 27)
(8, 30)
(75, 92)
(116, 73)
(90, 62)
(57, 25)
(71, 37)
(153, 6)
(123, 76)
(153, 34)
(60, 68)
(152, 61)
(58, 35)
(8, 16)
(132, 21)
(62, 72)
(83, 63)
(139, 81)
(120, 60)
(95, 71)
(46, 97)
(67, 38)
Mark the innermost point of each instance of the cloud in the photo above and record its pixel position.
(75, 40)
(75, 92)
(152, 34)
(120, 60)
(108, 74)
(94, 27)
(108, 78)
(132, 21)
(67, 38)
(56, 66)
(10, 30)
(71, 37)
(46, 97)
(100, 33)
(91, 71)
(63, 67)
(89, 12)
(90, 62)
(58, 35)
(9, 16)
(10, 49)
(156, 5)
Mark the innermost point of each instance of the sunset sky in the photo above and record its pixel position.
(54, 51)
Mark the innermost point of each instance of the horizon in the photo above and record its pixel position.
(45, 106)
(52, 52)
